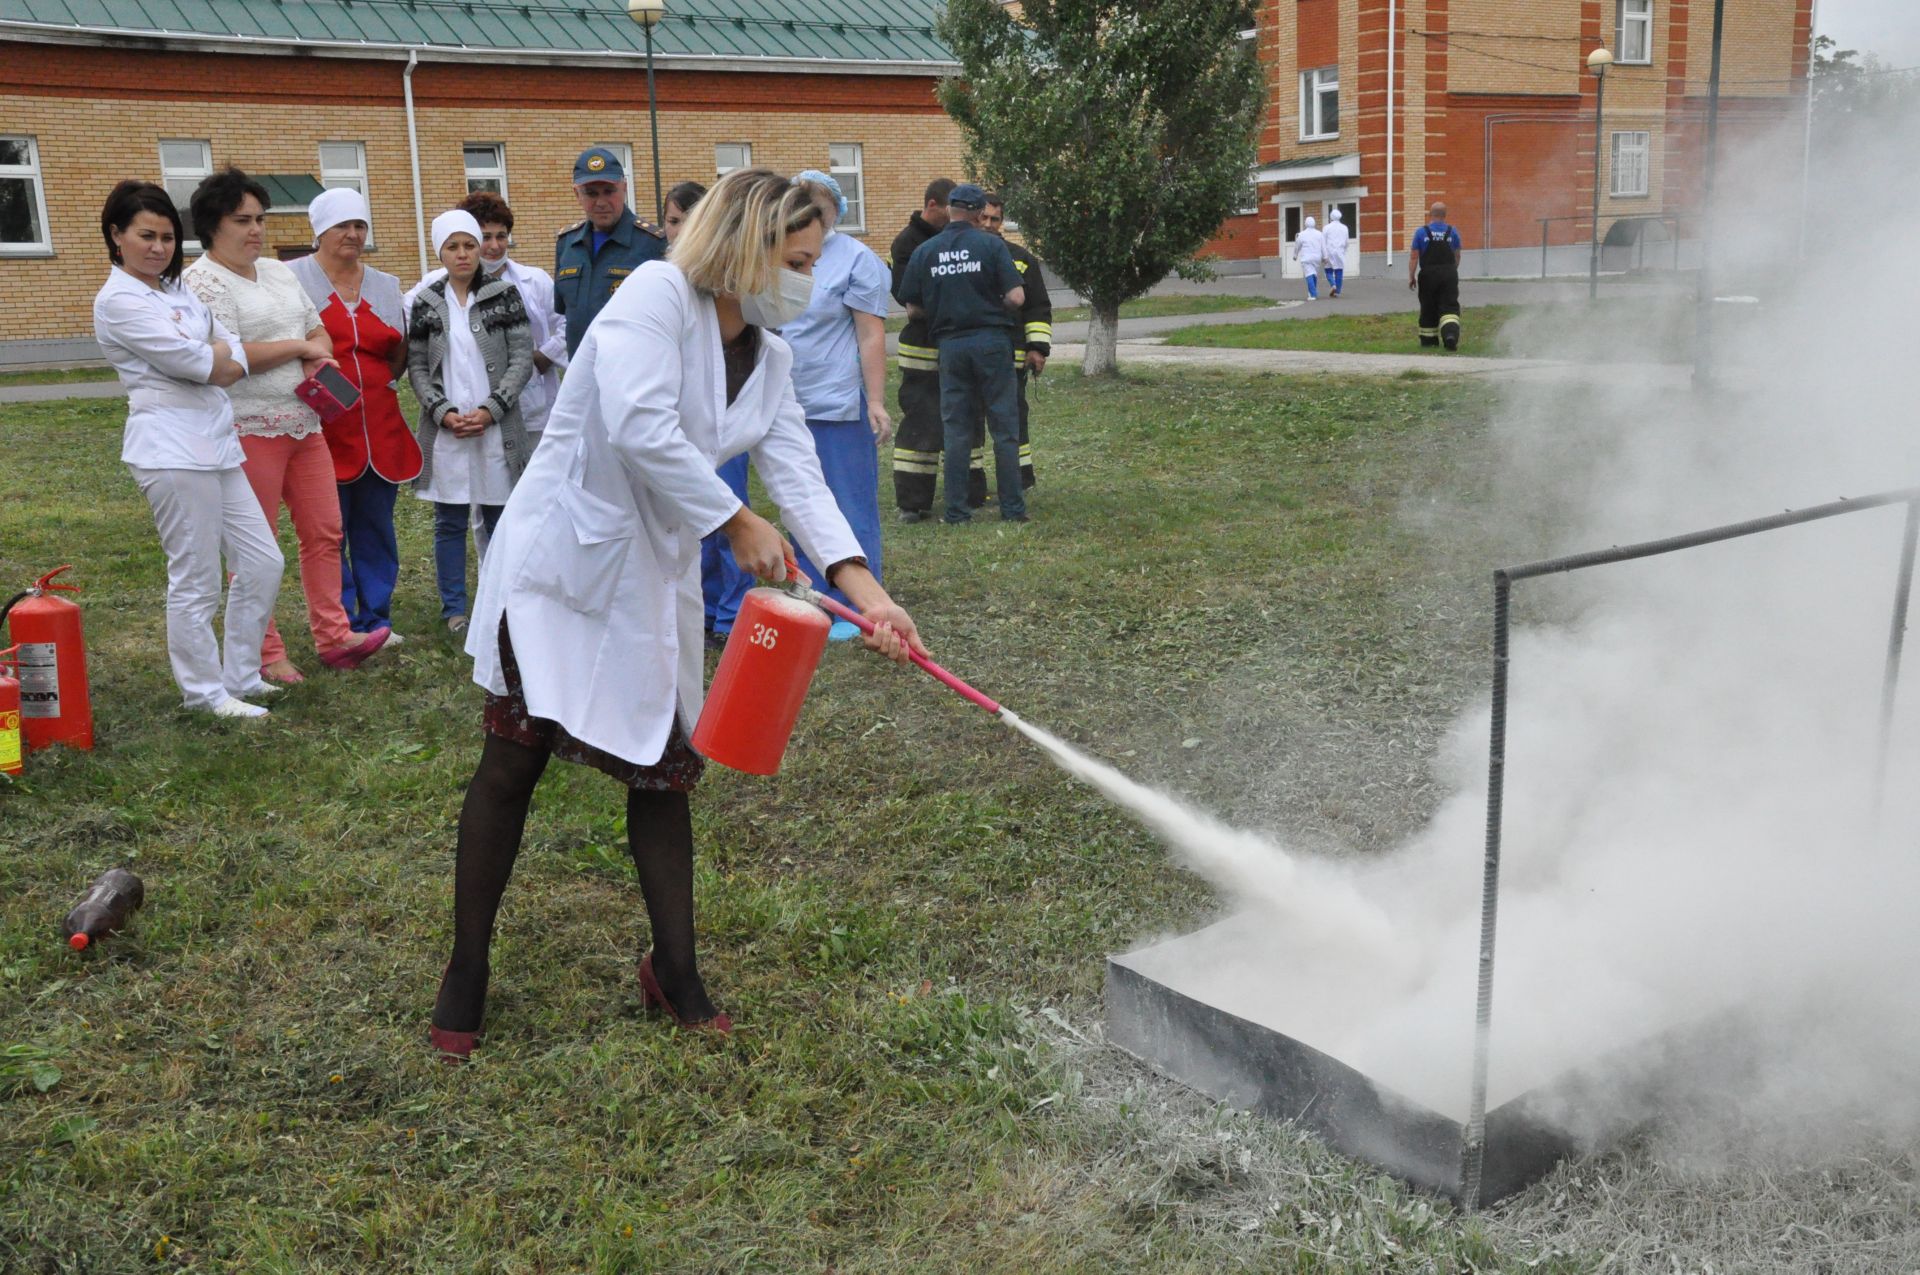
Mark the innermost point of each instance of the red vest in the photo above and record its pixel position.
(374, 433)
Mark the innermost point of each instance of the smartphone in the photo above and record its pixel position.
(328, 392)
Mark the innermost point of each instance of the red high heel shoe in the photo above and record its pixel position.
(654, 998)
(454, 1047)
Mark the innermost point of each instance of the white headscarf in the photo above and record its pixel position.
(452, 222)
(1310, 223)
(331, 207)
(1334, 215)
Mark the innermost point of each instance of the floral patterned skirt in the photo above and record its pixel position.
(678, 769)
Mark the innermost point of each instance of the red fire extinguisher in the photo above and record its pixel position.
(764, 673)
(9, 715)
(52, 662)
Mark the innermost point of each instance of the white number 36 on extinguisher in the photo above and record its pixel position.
(766, 636)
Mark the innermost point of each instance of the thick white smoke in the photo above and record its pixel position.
(1691, 823)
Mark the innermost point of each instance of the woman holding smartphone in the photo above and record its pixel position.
(287, 457)
(373, 451)
(176, 361)
(470, 353)
(586, 630)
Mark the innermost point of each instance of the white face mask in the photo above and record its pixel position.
(787, 301)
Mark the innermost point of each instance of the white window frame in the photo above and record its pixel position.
(30, 173)
(1635, 13)
(1639, 163)
(746, 158)
(1250, 206)
(196, 174)
(497, 172)
(338, 177)
(1315, 81)
(853, 183)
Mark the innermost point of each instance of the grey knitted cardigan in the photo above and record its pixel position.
(500, 329)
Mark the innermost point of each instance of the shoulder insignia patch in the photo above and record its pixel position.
(650, 228)
(1020, 265)
(570, 229)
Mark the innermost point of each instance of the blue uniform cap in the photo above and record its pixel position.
(967, 195)
(597, 164)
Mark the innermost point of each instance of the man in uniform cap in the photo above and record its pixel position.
(1036, 314)
(593, 256)
(918, 440)
(964, 282)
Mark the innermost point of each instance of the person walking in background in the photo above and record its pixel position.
(840, 377)
(586, 629)
(594, 256)
(1433, 269)
(917, 445)
(1334, 252)
(1309, 249)
(469, 356)
(373, 451)
(964, 282)
(1036, 327)
(175, 360)
(287, 460)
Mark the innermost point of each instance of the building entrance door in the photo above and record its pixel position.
(1290, 215)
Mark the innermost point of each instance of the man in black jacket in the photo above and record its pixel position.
(917, 441)
(1032, 346)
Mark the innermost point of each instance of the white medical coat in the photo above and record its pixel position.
(1309, 247)
(1334, 239)
(596, 559)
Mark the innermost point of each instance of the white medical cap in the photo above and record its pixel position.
(453, 222)
(331, 207)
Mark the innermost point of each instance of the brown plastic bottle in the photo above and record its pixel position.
(105, 908)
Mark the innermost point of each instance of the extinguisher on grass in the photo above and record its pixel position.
(55, 707)
(9, 715)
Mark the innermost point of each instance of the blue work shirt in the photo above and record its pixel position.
(589, 266)
(847, 279)
(1436, 230)
(961, 278)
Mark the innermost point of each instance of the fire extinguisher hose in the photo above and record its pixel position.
(939, 674)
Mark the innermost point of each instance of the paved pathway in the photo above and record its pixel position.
(66, 389)
(1149, 352)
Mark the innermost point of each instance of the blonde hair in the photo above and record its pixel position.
(733, 235)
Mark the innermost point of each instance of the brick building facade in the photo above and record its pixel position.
(1490, 108)
(80, 109)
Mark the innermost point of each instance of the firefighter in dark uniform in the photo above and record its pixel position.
(1033, 345)
(964, 282)
(593, 256)
(917, 439)
(1433, 269)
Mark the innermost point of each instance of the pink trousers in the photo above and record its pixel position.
(299, 472)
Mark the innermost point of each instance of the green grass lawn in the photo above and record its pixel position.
(1145, 308)
(57, 375)
(1658, 330)
(908, 924)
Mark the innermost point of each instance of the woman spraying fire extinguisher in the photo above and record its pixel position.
(586, 629)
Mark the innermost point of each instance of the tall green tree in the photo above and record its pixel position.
(1122, 133)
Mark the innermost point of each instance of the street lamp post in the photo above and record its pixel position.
(647, 13)
(1597, 61)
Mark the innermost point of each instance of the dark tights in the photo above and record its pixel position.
(492, 821)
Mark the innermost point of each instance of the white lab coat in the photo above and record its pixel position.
(1334, 245)
(596, 559)
(549, 334)
(160, 343)
(1309, 246)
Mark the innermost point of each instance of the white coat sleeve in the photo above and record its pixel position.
(789, 466)
(539, 296)
(133, 324)
(236, 348)
(637, 372)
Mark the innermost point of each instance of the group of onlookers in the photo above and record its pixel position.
(219, 437)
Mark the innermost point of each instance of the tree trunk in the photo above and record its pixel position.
(1103, 336)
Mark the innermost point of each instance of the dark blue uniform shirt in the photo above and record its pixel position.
(585, 276)
(961, 278)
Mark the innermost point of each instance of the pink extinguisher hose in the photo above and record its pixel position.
(939, 674)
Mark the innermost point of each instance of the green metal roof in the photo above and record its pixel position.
(833, 30)
(289, 190)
